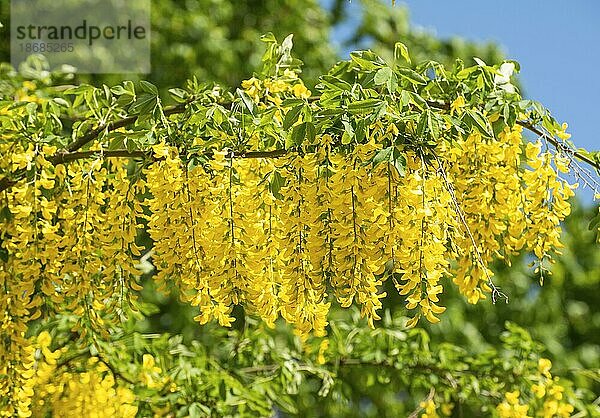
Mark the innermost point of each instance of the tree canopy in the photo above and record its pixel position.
(311, 229)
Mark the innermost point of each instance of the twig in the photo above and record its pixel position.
(527, 125)
(64, 157)
(112, 126)
(495, 289)
(530, 127)
(114, 371)
(72, 154)
(429, 397)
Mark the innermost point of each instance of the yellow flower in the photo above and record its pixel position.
(561, 133)
(290, 74)
(161, 150)
(246, 84)
(457, 105)
(148, 363)
(430, 409)
(565, 410)
(544, 366)
(512, 397)
(322, 349)
(447, 408)
(538, 390)
(532, 149)
(301, 91)
(29, 85)
(550, 408)
(44, 339)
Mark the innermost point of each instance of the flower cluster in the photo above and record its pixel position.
(49, 386)
(547, 400)
(326, 221)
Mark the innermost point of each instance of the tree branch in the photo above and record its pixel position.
(530, 127)
(429, 397)
(64, 157)
(527, 125)
(117, 374)
(72, 150)
(112, 126)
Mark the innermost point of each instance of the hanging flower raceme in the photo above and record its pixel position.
(424, 217)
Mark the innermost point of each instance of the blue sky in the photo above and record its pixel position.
(556, 42)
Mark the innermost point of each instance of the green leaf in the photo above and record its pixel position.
(5, 214)
(126, 93)
(466, 72)
(383, 155)
(422, 126)
(360, 130)
(247, 101)
(498, 126)
(268, 38)
(131, 145)
(412, 76)
(330, 112)
(364, 106)
(392, 84)
(198, 410)
(31, 108)
(107, 92)
(479, 62)
(119, 90)
(382, 76)
(276, 183)
(292, 101)
(292, 116)
(475, 119)
(286, 403)
(366, 60)
(16, 105)
(179, 95)
(348, 134)
(335, 83)
(303, 132)
(594, 223)
(399, 162)
(405, 98)
(145, 104)
(118, 142)
(509, 114)
(386, 76)
(418, 101)
(148, 87)
(433, 127)
(400, 50)
(84, 88)
(61, 101)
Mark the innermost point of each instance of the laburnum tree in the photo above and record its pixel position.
(312, 231)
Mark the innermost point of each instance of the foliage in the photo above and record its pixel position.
(249, 373)
(381, 27)
(218, 41)
(275, 201)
